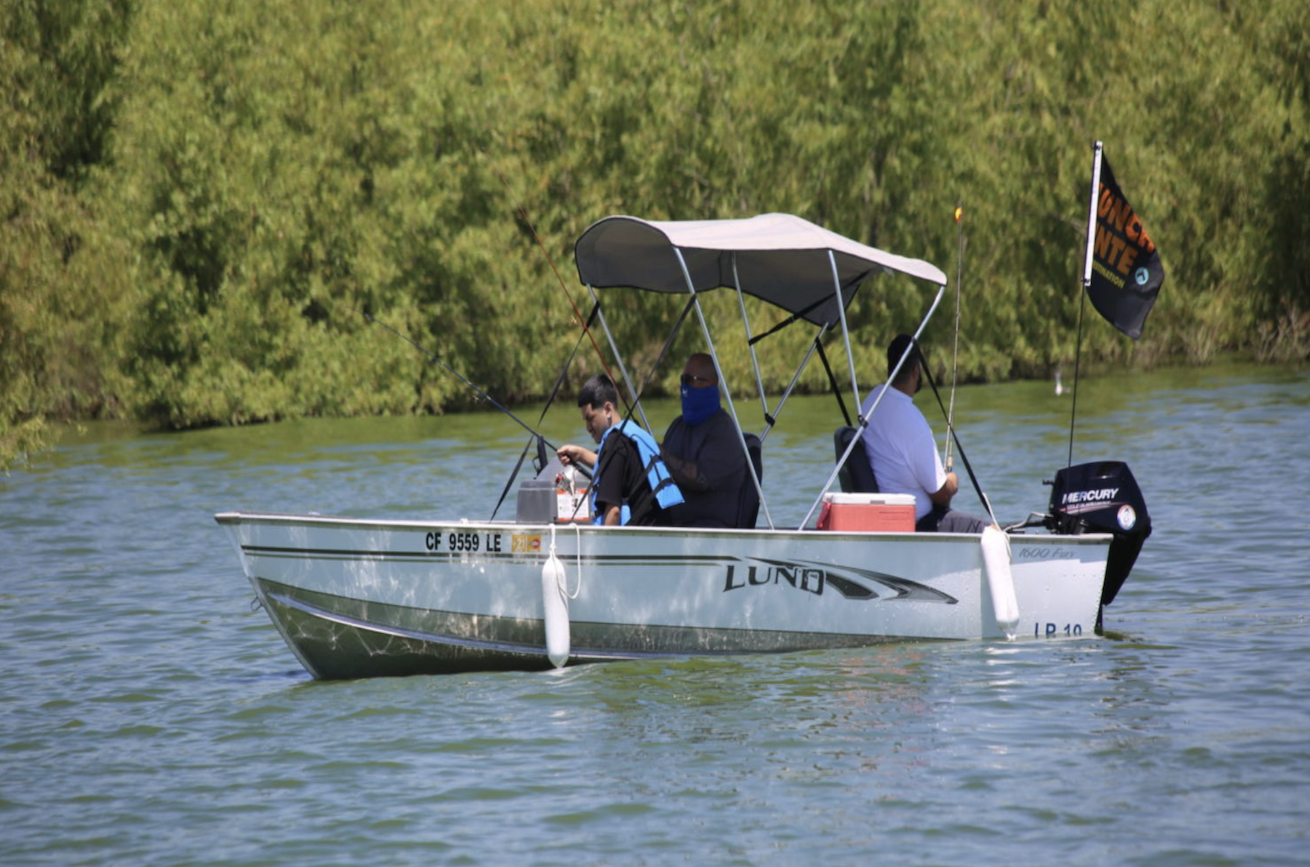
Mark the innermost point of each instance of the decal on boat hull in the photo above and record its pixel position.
(814, 577)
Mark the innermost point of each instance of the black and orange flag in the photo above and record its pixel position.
(1122, 272)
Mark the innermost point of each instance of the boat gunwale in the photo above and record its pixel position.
(235, 518)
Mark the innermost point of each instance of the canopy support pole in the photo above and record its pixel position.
(745, 321)
(718, 371)
(845, 332)
(791, 386)
(863, 420)
(618, 357)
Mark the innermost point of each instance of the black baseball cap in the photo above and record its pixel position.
(899, 344)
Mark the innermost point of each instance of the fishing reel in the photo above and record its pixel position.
(540, 462)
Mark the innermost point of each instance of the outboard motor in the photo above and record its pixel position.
(1102, 497)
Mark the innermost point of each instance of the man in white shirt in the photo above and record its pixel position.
(902, 451)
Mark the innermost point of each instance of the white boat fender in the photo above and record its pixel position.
(556, 603)
(996, 565)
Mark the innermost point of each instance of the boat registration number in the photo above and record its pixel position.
(464, 541)
(1054, 630)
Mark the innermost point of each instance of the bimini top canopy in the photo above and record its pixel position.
(779, 258)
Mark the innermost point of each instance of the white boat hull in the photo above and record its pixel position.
(358, 598)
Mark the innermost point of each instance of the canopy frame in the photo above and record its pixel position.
(779, 251)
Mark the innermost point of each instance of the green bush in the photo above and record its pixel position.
(201, 200)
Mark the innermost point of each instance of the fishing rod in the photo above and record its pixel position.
(541, 451)
(577, 314)
(585, 323)
(955, 353)
(541, 438)
(950, 428)
(631, 409)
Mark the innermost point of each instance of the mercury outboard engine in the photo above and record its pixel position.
(1102, 497)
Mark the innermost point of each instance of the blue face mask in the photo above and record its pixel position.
(699, 404)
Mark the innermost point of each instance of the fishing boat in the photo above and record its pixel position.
(359, 598)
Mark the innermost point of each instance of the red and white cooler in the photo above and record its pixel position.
(867, 513)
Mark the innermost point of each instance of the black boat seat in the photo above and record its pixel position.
(856, 475)
(748, 501)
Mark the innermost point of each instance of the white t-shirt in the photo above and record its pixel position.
(901, 449)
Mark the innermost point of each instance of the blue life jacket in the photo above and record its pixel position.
(657, 475)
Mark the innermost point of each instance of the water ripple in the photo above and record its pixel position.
(149, 716)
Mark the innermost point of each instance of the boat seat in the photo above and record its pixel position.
(748, 502)
(856, 475)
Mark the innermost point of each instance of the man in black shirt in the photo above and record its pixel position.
(630, 484)
(703, 452)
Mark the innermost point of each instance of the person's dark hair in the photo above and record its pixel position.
(894, 352)
(596, 391)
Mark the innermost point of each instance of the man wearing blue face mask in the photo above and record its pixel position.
(703, 453)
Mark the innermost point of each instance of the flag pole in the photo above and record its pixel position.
(1091, 215)
(1087, 280)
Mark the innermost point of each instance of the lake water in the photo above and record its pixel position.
(149, 716)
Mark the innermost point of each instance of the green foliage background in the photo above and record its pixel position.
(197, 198)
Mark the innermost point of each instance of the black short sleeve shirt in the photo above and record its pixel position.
(623, 482)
